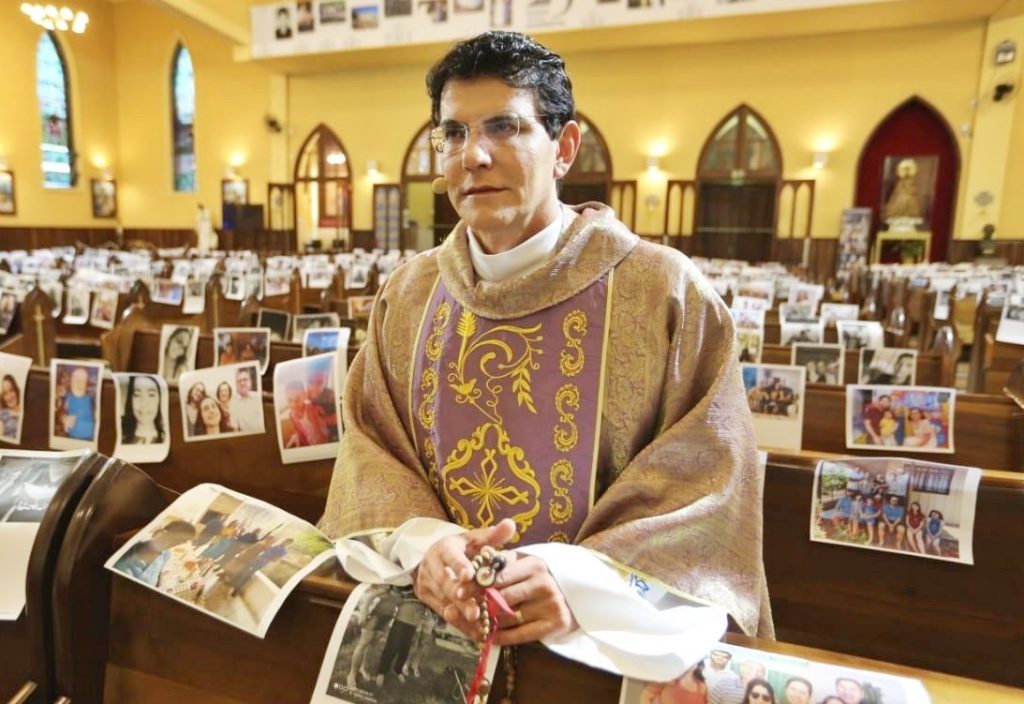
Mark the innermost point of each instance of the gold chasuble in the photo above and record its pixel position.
(595, 400)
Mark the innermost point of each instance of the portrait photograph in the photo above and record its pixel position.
(388, 646)
(104, 309)
(775, 396)
(806, 293)
(230, 556)
(234, 191)
(860, 334)
(104, 198)
(282, 26)
(824, 363)
(194, 300)
(77, 312)
(748, 319)
(8, 204)
(320, 277)
(333, 11)
(235, 288)
(750, 342)
(357, 276)
(277, 321)
(914, 419)
(888, 365)
(908, 191)
(75, 388)
(168, 292)
(306, 405)
(897, 505)
(221, 402)
(305, 21)
(322, 340)
(792, 333)
(727, 673)
(8, 307)
(1011, 322)
(178, 345)
(141, 402)
(233, 345)
(308, 321)
(831, 312)
(277, 283)
(13, 379)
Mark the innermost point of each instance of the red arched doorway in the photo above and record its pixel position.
(914, 131)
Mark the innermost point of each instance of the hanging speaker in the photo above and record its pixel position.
(439, 185)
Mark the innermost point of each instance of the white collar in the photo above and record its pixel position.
(520, 259)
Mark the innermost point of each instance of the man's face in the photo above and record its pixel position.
(884, 403)
(243, 384)
(797, 693)
(849, 691)
(506, 189)
(750, 670)
(720, 658)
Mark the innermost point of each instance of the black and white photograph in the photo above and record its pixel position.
(168, 292)
(803, 312)
(283, 22)
(312, 321)
(104, 309)
(775, 396)
(860, 334)
(333, 11)
(388, 646)
(321, 340)
(831, 312)
(233, 345)
(750, 342)
(898, 505)
(55, 290)
(235, 287)
(1011, 322)
(913, 418)
(221, 402)
(307, 409)
(178, 345)
(143, 418)
(230, 556)
(277, 321)
(194, 301)
(13, 379)
(8, 307)
(75, 387)
(77, 312)
(28, 481)
(888, 365)
(792, 333)
(731, 674)
(824, 362)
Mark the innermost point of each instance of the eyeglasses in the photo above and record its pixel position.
(761, 694)
(450, 138)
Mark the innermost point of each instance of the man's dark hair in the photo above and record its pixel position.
(517, 61)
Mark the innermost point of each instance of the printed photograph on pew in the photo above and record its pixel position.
(233, 345)
(825, 364)
(8, 307)
(731, 674)
(1011, 321)
(77, 312)
(888, 366)
(195, 297)
(306, 404)
(912, 418)
(277, 321)
(798, 312)
(310, 321)
(104, 309)
(388, 646)
(832, 312)
(143, 426)
(75, 388)
(322, 340)
(896, 505)
(13, 377)
(221, 402)
(858, 334)
(775, 396)
(792, 333)
(178, 345)
(225, 554)
(167, 292)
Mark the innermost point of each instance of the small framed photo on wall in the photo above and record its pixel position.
(104, 198)
(8, 205)
(234, 191)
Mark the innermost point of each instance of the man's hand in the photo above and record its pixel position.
(537, 600)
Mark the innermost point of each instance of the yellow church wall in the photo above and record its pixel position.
(826, 92)
(231, 102)
(89, 58)
(1011, 221)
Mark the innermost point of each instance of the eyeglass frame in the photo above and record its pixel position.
(438, 141)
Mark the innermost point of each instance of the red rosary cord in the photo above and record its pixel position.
(495, 604)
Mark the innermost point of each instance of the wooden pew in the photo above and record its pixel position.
(998, 360)
(986, 320)
(987, 429)
(929, 366)
(960, 619)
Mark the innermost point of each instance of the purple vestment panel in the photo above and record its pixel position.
(506, 412)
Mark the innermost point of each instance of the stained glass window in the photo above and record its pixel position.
(183, 114)
(55, 114)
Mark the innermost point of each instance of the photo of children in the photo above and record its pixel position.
(233, 345)
(731, 674)
(775, 395)
(104, 309)
(228, 555)
(824, 363)
(888, 365)
(916, 418)
(75, 402)
(898, 505)
(388, 646)
(307, 410)
(221, 402)
(13, 378)
(143, 426)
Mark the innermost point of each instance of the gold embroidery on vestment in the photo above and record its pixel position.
(566, 432)
(486, 484)
(558, 537)
(430, 454)
(560, 505)
(428, 385)
(434, 345)
(572, 359)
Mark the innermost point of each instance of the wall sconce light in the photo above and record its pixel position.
(653, 164)
(820, 160)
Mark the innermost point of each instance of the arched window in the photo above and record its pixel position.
(590, 177)
(742, 147)
(55, 114)
(183, 119)
(427, 217)
(323, 185)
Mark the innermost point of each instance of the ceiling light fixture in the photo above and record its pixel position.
(56, 19)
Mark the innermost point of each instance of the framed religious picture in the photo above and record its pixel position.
(104, 198)
(8, 205)
(234, 191)
(908, 192)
